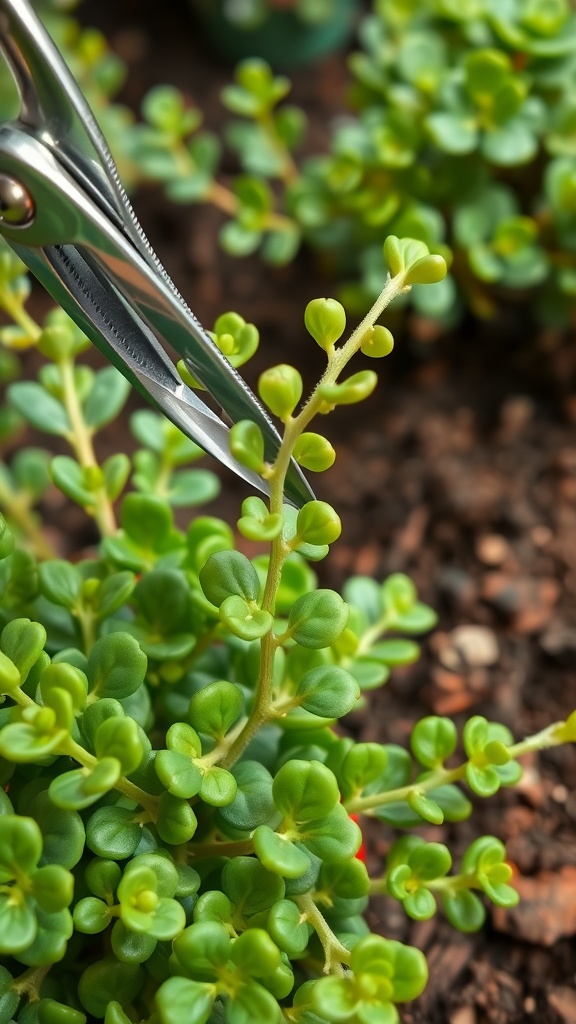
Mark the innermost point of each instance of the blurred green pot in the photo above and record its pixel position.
(286, 34)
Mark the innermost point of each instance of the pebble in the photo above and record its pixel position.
(528, 601)
(457, 587)
(559, 642)
(475, 646)
(463, 1015)
(492, 549)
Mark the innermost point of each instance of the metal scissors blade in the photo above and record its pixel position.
(72, 224)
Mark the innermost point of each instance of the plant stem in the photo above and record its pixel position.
(289, 171)
(263, 709)
(129, 789)
(29, 983)
(18, 314)
(226, 201)
(80, 439)
(17, 507)
(335, 954)
(234, 848)
(445, 776)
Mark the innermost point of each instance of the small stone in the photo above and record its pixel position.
(457, 587)
(528, 602)
(559, 642)
(492, 549)
(515, 415)
(471, 646)
(541, 535)
(463, 1015)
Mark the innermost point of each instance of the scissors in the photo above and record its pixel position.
(64, 211)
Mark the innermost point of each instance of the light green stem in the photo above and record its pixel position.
(80, 440)
(445, 776)
(18, 509)
(29, 983)
(335, 954)
(72, 749)
(263, 709)
(233, 848)
(129, 789)
(18, 314)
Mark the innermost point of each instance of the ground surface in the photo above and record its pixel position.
(461, 472)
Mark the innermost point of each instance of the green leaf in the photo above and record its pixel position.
(255, 953)
(120, 738)
(39, 408)
(60, 582)
(257, 523)
(116, 666)
(325, 320)
(456, 133)
(425, 807)
(68, 476)
(253, 804)
(215, 708)
(305, 790)
(131, 947)
(464, 910)
(17, 926)
(318, 523)
(229, 573)
(23, 743)
(23, 642)
(113, 593)
(355, 389)
(49, 945)
(218, 787)
(512, 144)
(9, 996)
(327, 691)
(20, 846)
(180, 999)
(314, 452)
(192, 487)
(316, 620)
(106, 398)
(52, 888)
(247, 444)
(113, 832)
(287, 928)
(106, 980)
(433, 740)
(178, 773)
(250, 886)
(244, 618)
(334, 838)
(177, 822)
(238, 240)
(78, 789)
(203, 947)
(281, 389)
(278, 854)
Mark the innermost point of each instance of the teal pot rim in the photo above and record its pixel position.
(283, 39)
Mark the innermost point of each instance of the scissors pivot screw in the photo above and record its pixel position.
(16, 203)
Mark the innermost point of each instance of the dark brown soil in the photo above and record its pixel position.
(462, 473)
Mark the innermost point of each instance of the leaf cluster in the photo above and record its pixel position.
(178, 806)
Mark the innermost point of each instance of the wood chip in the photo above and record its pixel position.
(563, 1000)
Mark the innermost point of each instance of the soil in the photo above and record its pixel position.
(460, 472)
